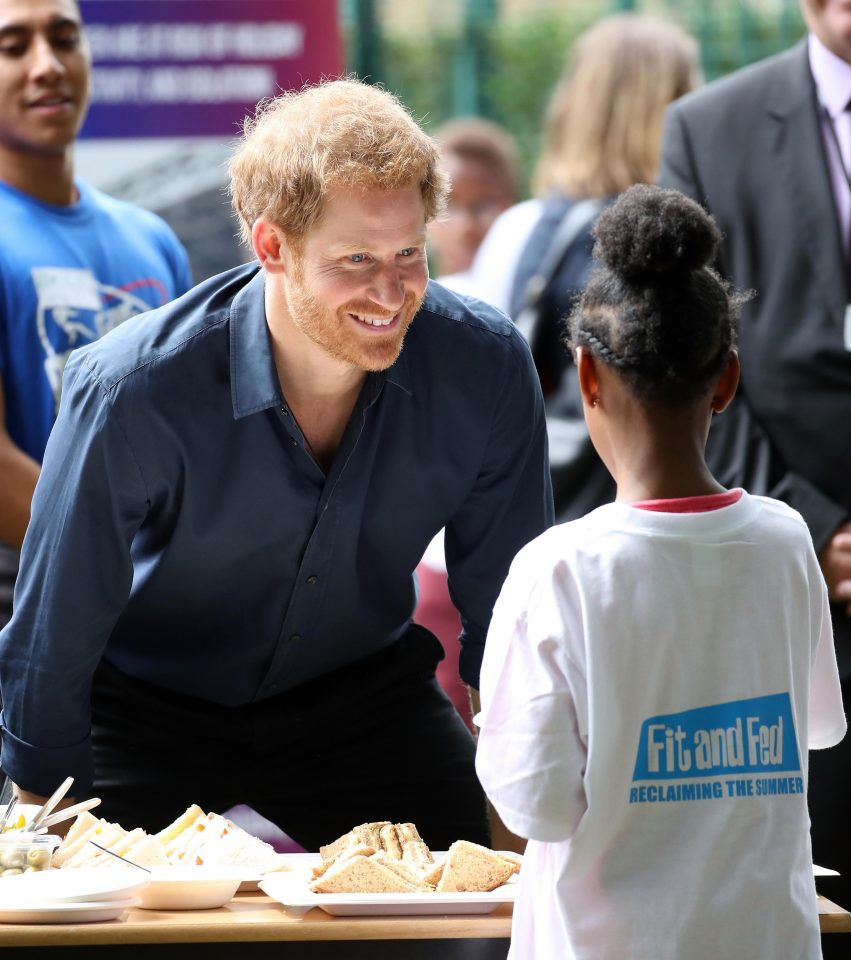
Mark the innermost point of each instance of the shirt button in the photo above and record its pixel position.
(296, 638)
(312, 579)
(272, 686)
(285, 412)
(294, 442)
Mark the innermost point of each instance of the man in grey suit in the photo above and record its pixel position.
(768, 151)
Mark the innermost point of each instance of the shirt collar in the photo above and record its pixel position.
(253, 377)
(832, 76)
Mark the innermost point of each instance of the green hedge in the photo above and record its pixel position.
(523, 58)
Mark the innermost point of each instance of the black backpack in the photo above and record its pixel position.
(553, 268)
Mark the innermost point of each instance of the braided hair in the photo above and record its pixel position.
(654, 309)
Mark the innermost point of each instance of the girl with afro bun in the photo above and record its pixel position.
(656, 671)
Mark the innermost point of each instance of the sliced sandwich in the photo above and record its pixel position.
(194, 838)
(469, 867)
(213, 840)
(361, 875)
(169, 835)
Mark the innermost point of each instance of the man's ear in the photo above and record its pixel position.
(589, 380)
(268, 245)
(727, 384)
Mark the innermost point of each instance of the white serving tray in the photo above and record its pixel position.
(291, 890)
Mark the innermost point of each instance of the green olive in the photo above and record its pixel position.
(37, 856)
(12, 858)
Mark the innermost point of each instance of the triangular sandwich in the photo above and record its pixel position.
(470, 867)
(361, 875)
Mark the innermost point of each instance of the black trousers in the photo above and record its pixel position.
(378, 740)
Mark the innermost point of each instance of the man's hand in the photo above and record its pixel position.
(26, 796)
(835, 560)
(501, 837)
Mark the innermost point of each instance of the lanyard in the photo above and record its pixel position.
(834, 137)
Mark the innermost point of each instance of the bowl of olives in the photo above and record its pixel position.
(26, 853)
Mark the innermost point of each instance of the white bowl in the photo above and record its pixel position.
(189, 888)
(25, 810)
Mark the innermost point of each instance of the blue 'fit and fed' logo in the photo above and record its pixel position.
(725, 741)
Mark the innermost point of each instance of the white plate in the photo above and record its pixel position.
(89, 912)
(251, 882)
(72, 885)
(190, 888)
(291, 890)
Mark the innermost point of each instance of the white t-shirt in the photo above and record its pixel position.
(650, 685)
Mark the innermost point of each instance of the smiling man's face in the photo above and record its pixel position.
(44, 77)
(360, 275)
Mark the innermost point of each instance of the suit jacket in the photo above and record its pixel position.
(750, 148)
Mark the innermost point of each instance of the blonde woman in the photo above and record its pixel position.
(602, 134)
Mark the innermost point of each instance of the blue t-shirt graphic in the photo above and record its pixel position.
(68, 275)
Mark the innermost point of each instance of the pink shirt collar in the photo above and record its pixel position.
(832, 76)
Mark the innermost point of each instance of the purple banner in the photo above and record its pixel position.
(183, 68)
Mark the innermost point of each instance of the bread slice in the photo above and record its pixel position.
(361, 875)
(82, 822)
(515, 859)
(123, 844)
(333, 850)
(235, 847)
(372, 834)
(356, 850)
(417, 855)
(432, 876)
(147, 852)
(119, 845)
(213, 840)
(389, 838)
(183, 847)
(77, 836)
(470, 867)
(402, 870)
(407, 831)
(169, 835)
(368, 834)
(105, 835)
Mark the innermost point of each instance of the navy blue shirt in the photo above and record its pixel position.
(181, 530)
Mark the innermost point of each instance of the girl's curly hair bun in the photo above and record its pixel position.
(651, 232)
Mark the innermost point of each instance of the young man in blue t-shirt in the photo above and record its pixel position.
(74, 263)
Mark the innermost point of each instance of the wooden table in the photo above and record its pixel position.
(832, 918)
(261, 926)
